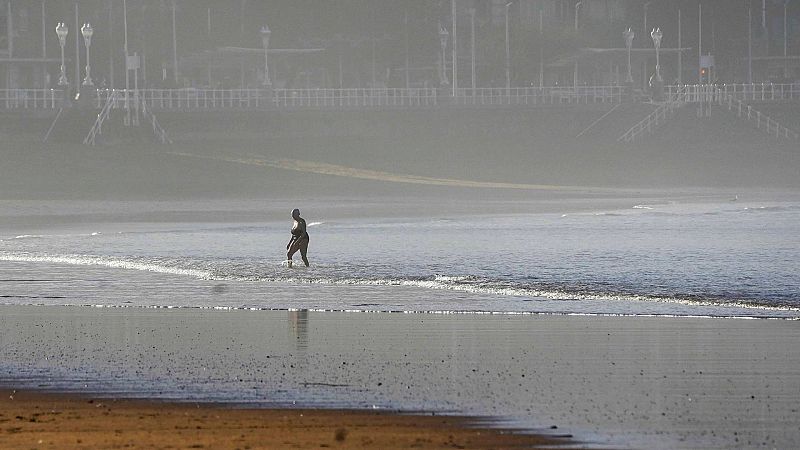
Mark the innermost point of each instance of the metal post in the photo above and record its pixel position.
(136, 91)
(174, 45)
(44, 44)
(629, 35)
(265, 35)
(700, 41)
(87, 33)
(208, 35)
(341, 69)
(373, 64)
(127, 120)
(680, 50)
(508, 53)
(408, 84)
(111, 45)
(472, 48)
(645, 74)
(575, 72)
(62, 30)
(455, 47)
(785, 40)
(443, 35)
(77, 47)
(657, 35)
(750, 44)
(541, 46)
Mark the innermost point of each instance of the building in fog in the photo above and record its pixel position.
(25, 59)
(384, 43)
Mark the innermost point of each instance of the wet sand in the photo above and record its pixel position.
(643, 382)
(35, 420)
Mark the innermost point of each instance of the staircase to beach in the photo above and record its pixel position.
(114, 101)
(704, 97)
(762, 121)
(655, 119)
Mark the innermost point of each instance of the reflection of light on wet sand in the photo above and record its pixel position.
(687, 382)
(377, 175)
(298, 321)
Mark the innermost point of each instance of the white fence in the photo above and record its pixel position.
(757, 92)
(30, 98)
(260, 99)
(191, 99)
(539, 96)
(355, 98)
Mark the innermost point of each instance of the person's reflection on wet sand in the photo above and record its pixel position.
(298, 321)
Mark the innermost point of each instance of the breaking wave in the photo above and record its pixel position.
(327, 275)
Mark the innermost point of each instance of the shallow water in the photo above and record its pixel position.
(687, 382)
(668, 258)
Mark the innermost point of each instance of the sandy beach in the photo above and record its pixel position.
(608, 381)
(36, 420)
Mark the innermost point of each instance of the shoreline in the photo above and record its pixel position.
(465, 312)
(29, 418)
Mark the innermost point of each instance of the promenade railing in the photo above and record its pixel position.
(198, 99)
(30, 98)
(539, 96)
(193, 99)
(355, 98)
(756, 92)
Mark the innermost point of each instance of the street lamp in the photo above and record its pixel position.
(265, 34)
(61, 31)
(443, 36)
(87, 32)
(629, 35)
(508, 52)
(657, 35)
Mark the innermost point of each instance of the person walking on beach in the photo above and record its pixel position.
(299, 240)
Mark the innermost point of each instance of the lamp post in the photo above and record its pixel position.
(472, 48)
(644, 30)
(785, 39)
(657, 35)
(61, 31)
(265, 34)
(87, 32)
(508, 53)
(575, 72)
(443, 36)
(629, 35)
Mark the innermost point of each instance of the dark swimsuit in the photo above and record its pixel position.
(297, 235)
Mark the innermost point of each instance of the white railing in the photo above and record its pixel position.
(756, 92)
(661, 114)
(194, 99)
(97, 128)
(255, 99)
(30, 98)
(762, 121)
(539, 96)
(159, 132)
(349, 98)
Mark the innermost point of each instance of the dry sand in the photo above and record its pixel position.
(33, 420)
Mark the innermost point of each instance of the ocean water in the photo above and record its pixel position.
(721, 258)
